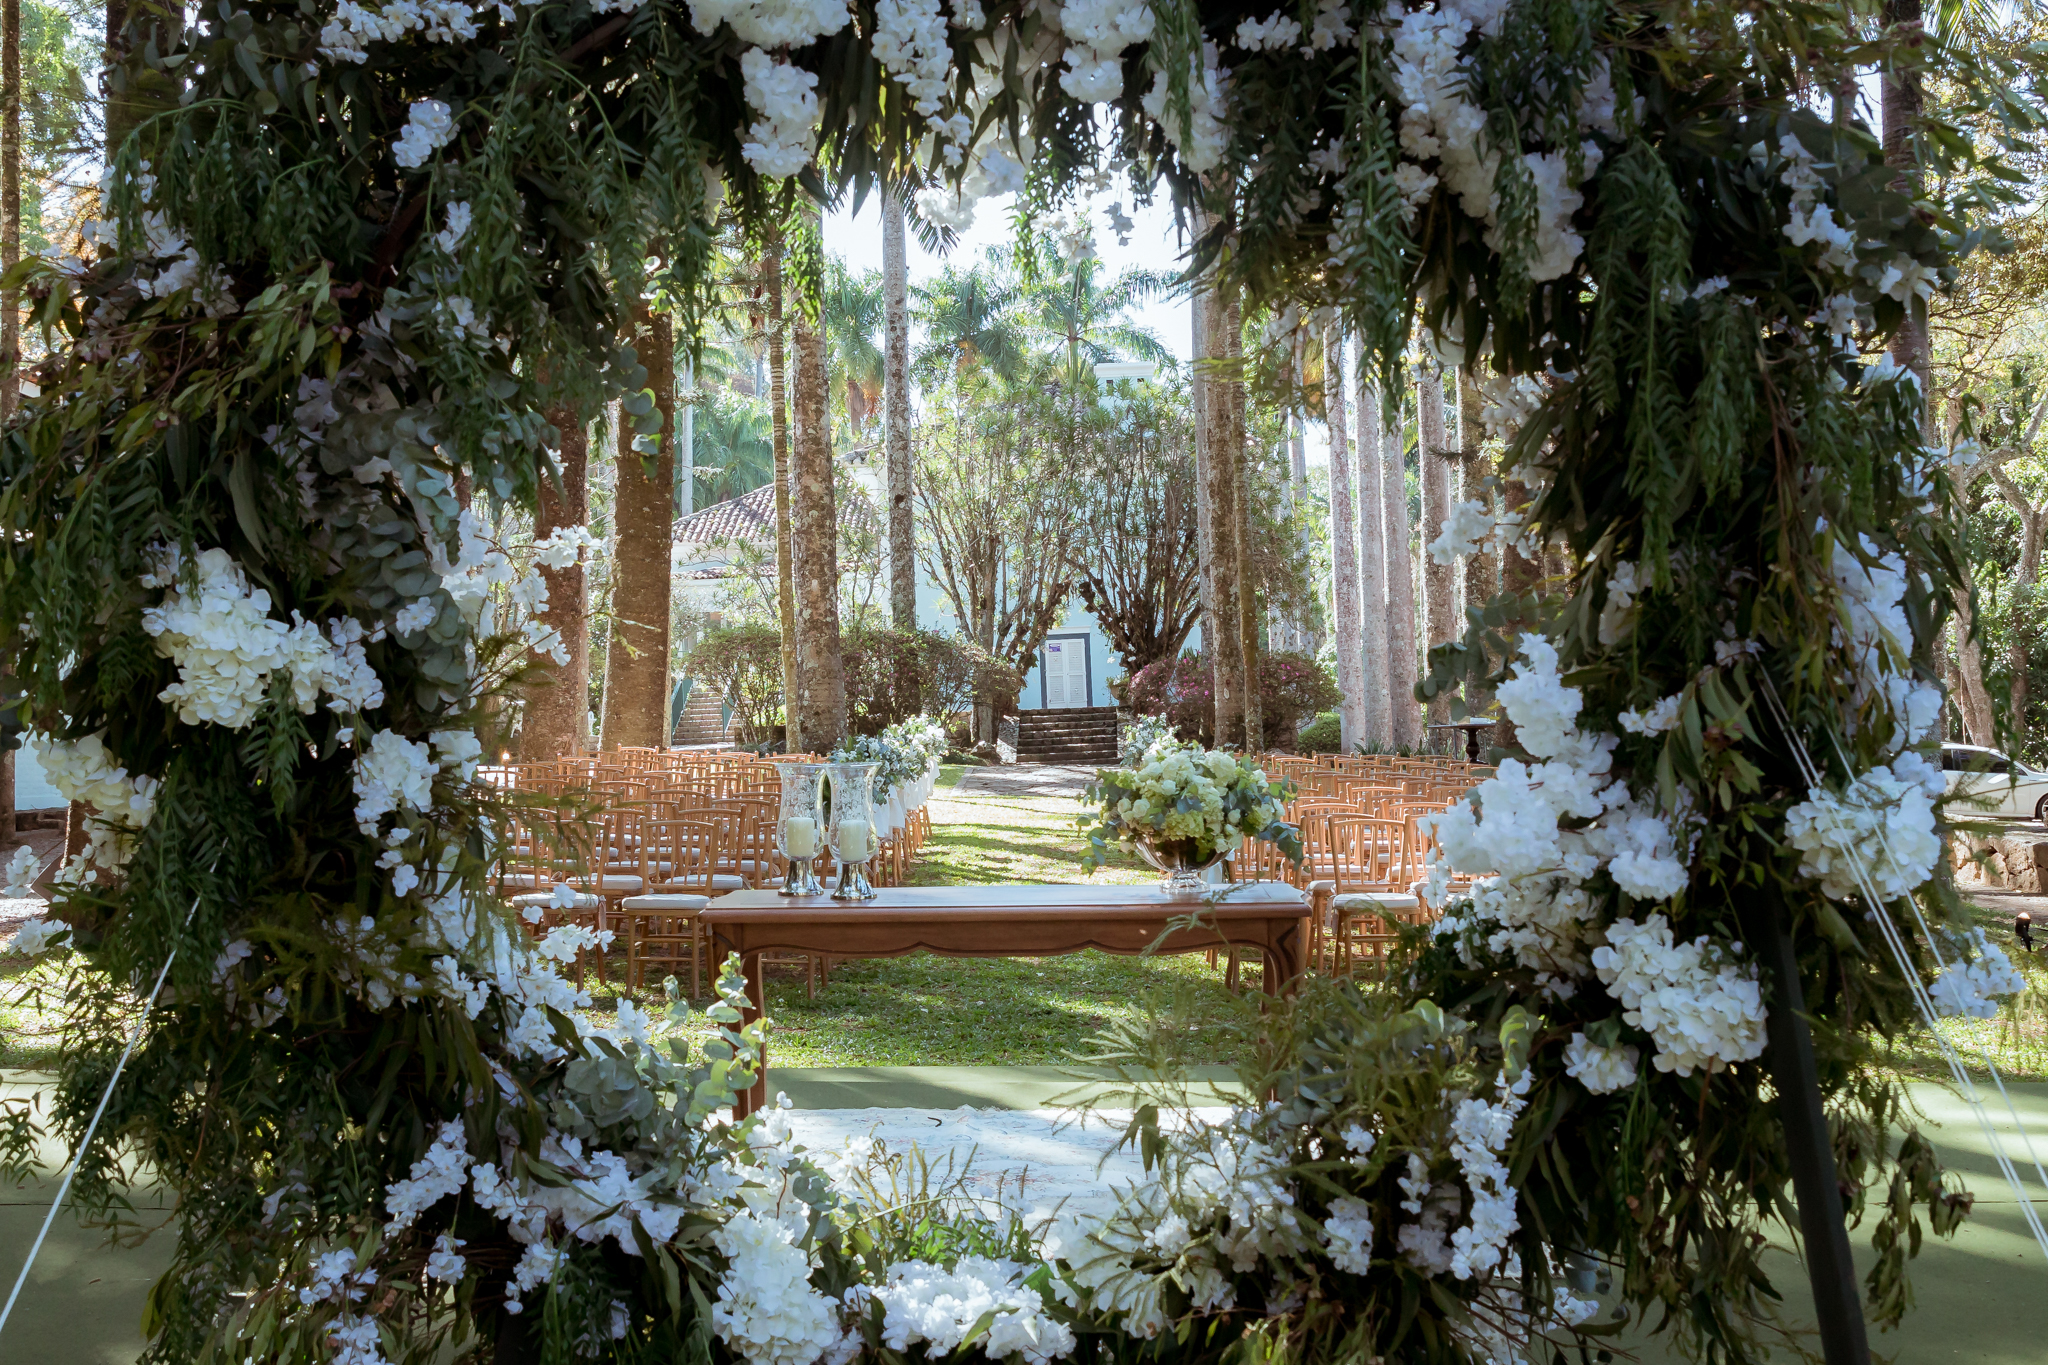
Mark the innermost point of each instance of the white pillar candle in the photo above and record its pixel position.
(853, 840)
(800, 836)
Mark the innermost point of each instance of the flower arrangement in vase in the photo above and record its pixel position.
(1184, 808)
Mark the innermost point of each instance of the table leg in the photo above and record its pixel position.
(757, 1007)
(1283, 956)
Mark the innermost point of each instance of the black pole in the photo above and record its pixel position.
(1837, 1305)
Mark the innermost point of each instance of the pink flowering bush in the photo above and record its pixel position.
(1291, 687)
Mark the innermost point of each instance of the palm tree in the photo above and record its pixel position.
(853, 321)
(734, 447)
(970, 320)
(896, 418)
(1084, 319)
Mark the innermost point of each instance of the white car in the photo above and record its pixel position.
(2005, 786)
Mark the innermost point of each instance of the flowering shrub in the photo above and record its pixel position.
(1186, 801)
(904, 752)
(1181, 690)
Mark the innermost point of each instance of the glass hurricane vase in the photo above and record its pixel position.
(852, 827)
(800, 828)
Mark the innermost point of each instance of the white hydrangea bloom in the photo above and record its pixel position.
(1347, 1230)
(772, 23)
(1883, 822)
(392, 773)
(939, 1307)
(1601, 1070)
(429, 126)
(767, 1310)
(1971, 989)
(1701, 1007)
(228, 647)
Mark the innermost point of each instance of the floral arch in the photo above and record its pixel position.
(354, 255)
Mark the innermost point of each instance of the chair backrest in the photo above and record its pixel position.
(1370, 854)
(679, 853)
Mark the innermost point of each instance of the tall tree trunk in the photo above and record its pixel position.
(1247, 581)
(1440, 589)
(814, 540)
(636, 666)
(1344, 594)
(1973, 698)
(785, 582)
(1902, 103)
(558, 705)
(1199, 303)
(1374, 687)
(10, 213)
(1482, 570)
(896, 415)
(1401, 661)
(1297, 452)
(1226, 656)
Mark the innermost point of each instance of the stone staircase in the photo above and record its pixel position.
(700, 723)
(1084, 734)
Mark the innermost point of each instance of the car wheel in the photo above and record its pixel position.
(2041, 810)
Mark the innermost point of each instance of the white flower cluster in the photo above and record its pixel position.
(1535, 906)
(771, 23)
(1438, 123)
(767, 1310)
(910, 43)
(1883, 822)
(227, 647)
(1274, 33)
(1183, 792)
(22, 870)
(347, 36)
(1347, 1234)
(1468, 527)
(1479, 1134)
(87, 771)
(942, 1308)
(1617, 613)
(1878, 638)
(1972, 989)
(1661, 717)
(1601, 1070)
(1101, 30)
(1700, 1006)
(442, 1171)
(392, 773)
(780, 142)
(482, 567)
(429, 126)
(36, 937)
(1203, 137)
(210, 288)
(996, 170)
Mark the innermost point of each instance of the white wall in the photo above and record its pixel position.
(32, 790)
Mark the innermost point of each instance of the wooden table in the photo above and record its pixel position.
(1003, 921)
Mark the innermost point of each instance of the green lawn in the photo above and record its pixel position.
(924, 1011)
(928, 1011)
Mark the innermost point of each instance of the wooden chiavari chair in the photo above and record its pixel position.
(1374, 867)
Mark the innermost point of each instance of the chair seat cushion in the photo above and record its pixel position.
(546, 900)
(1322, 887)
(670, 902)
(1376, 900)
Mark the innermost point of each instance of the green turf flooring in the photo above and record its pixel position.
(1983, 1297)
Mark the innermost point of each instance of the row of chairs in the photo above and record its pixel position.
(662, 842)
